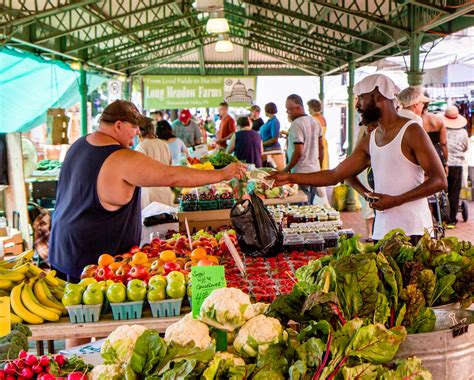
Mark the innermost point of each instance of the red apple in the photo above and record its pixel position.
(89, 271)
(153, 253)
(134, 249)
(155, 240)
(170, 267)
(118, 258)
(138, 271)
(122, 272)
(104, 273)
(155, 265)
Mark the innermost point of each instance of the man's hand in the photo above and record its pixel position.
(382, 202)
(280, 178)
(235, 170)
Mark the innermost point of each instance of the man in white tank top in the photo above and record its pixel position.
(404, 162)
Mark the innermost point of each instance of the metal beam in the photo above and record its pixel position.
(461, 11)
(246, 61)
(291, 29)
(310, 20)
(360, 14)
(148, 40)
(293, 42)
(52, 11)
(174, 43)
(161, 60)
(202, 65)
(114, 18)
(433, 7)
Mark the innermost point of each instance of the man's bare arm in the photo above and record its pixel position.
(297, 153)
(350, 167)
(140, 170)
(321, 151)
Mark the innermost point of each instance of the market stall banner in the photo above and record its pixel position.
(174, 92)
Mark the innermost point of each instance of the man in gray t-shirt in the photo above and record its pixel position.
(186, 129)
(305, 143)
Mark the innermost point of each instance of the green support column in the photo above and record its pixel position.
(350, 199)
(321, 92)
(83, 92)
(415, 75)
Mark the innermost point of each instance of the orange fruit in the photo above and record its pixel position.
(105, 259)
(198, 254)
(214, 259)
(114, 266)
(167, 256)
(139, 258)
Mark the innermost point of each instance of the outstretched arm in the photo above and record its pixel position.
(350, 167)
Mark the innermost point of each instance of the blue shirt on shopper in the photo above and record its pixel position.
(270, 130)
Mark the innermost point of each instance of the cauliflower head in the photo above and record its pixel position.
(226, 309)
(119, 345)
(106, 372)
(188, 331)
(225, 365)
(258, 334)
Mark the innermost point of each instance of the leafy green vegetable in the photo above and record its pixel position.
(415, 301)
(427, 284)
(364, 371)
(407, 369)
(382, 309)
(424, 322)
(149, 350)
(389, 278)
(443, 288)
(225, 366)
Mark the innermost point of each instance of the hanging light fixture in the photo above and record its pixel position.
(224, 45)
(217, 23)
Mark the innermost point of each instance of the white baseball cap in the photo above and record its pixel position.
(386, 86)
(412, 95)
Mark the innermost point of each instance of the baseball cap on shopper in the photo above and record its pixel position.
(412, 95)
(385, 85)
(184, 116)
(122, 110)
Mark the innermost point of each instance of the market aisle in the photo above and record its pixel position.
(464, 231)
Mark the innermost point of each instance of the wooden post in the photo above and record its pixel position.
(15, 194)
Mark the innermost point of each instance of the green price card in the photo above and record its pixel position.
(204, 280)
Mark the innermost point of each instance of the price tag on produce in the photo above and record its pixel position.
(5, 321)
(235, 254)
(204, 280)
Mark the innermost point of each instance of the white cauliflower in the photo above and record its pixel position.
(106, 372)
(226, 309)
(258, 334)
(188, 331)
(260, 308)
(225, 365)
(119, 345)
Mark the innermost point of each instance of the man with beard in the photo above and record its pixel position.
(404, 163)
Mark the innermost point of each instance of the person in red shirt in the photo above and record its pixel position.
(227, 127)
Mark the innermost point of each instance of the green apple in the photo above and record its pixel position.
(117, 292)
(136, 290)
(176, 276)
(93, 295)
(157, 280)
(175, 289)
(74, 287)
(156, 293)
(85, 282)
(72, 297)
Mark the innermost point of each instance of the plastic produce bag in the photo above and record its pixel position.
(256, 230)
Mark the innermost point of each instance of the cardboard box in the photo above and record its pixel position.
(13, 249)
(204, 219)
(12, 236)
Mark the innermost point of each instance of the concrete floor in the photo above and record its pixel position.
(463, 230)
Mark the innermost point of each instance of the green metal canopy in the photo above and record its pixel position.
(282, 37)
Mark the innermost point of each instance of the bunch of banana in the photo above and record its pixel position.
(8, 277)
(17, 260)
(33, 302)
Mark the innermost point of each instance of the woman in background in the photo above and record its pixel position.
(176, 146)
(246, 143)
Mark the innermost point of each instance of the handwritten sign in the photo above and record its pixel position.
(5, 322)
(205, 279)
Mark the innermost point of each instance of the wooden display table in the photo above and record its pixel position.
(217, 218)
(64, 329)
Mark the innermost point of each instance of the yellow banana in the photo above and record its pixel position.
(5, 284)
(12, 276)
(23, 268)
(33, 305)
(58, 292)
(20, 310)
(44, 295)
(61, 281)
(36, 271)
(24, 257)
(15, 318)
